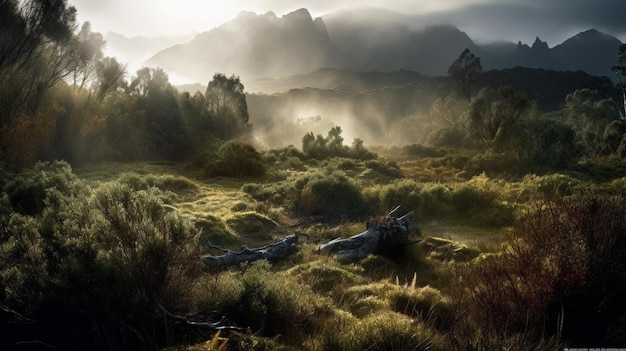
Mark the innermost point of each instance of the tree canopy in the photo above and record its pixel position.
(464, 70)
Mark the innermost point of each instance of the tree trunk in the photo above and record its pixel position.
(384, 238)
(279, 249)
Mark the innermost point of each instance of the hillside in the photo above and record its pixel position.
(251, 46)
(373, 105)
(266, 46)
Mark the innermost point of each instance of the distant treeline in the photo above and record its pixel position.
(62, 99)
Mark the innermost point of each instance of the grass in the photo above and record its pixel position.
(313, 302)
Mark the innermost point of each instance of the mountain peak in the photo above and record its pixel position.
(300, 14)
(594, 35)
(539, 44)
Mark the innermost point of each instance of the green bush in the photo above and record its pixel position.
(252, 224)
(325, 278)
(27, 191)
(379, 331)
(492, 164)
(321, 192)
(236, 159)
(99, 259)
(427, 200)
(213, 231)
(425, 303)
(270, 303)
(388, 168)
(557, 184)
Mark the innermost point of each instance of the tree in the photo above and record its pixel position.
(85, 54)
(620, 71)
(226, 105)
(589, 114)
(27, 25)
(33, 52)
(492, 114)
(225, 96)
(109, 75)
(465, 70)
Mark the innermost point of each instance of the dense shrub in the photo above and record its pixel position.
(563, 272)
(252, 224)
(321, 192)
(27, 191)
(99, 259)
(269, 303)
(493, 164)
(379, 331)
(388, 168)
(465, 203)
(319, 147)
(236, 159)
(427, 304)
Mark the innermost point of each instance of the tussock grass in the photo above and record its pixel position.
(411, 301)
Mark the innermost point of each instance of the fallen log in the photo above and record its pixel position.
(279, 249)
(384, 238)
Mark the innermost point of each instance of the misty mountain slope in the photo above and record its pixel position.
(252, 46)
(338, 79)
(366, 39)
(591, 51)
(377, 39)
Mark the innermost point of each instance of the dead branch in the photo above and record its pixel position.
(279, 249)
(384, 238)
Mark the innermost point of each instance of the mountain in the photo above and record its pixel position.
(590, 51)
(139, 48)
(366, 39)
(384, 40)
(251, 46)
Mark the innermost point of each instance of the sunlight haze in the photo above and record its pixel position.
(165, 18)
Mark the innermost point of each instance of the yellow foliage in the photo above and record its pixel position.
(26, 136)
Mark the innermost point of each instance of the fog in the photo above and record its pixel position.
(272, 45)
(377, 116)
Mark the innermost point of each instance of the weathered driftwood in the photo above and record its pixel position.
(279, 249)
(379, 238)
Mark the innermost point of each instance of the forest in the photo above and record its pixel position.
(116, 186)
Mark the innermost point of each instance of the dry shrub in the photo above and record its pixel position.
(562, 272)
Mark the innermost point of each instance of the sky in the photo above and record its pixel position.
(484, 20)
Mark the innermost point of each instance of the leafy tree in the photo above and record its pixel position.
(86, 52)
(109, 76)
(33, 52)
(613, 135)
(222, 111)
(150, 81)
(620, 70)
(332, 146)
(449, 111)
(225, 96)
(541, 144)
(492, 114)
(26, 137)
(589, 114)
(464, 70)
(27, 25)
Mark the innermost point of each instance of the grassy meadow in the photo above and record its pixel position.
(518, 263)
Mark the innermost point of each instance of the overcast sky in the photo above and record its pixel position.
(483, 20)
